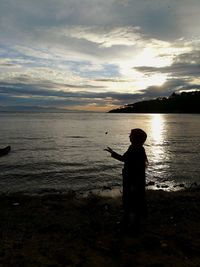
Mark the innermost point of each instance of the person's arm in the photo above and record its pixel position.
(114, 154)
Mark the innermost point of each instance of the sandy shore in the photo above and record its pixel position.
(66, 230)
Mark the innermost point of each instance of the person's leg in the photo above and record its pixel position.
(126, 212)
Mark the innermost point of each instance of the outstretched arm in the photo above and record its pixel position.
(109, 150)
(114, 154)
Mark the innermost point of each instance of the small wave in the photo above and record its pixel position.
(180, 151)
(75, 136)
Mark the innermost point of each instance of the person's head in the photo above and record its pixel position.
(138, 136)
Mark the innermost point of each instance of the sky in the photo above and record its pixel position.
(96, 55)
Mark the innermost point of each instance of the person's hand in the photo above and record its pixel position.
(109, 150)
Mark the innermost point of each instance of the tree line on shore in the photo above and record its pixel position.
(185, 102)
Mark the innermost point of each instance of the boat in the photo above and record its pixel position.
(4, 151)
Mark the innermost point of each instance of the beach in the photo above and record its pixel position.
(71, 230)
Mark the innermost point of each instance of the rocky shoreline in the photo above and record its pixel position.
(69, 230)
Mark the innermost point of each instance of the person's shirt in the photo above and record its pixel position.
(134, 160)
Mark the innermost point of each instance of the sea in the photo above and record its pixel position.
(62, 152)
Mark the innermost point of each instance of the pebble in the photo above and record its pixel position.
(16, 204)
(163, 244)
(151, 183)
(164, 186)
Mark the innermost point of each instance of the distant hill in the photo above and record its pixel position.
(185, 102)
(33, 109)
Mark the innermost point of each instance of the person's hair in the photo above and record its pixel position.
(139, 136)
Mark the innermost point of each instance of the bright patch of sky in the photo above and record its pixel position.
(96, 55)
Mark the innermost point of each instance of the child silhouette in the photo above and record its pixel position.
(135, 161)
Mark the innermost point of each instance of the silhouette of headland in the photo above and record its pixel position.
(185, 102)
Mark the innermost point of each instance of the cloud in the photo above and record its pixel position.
(33, 94)
(21, 94)
(105, 36)
(110, 51)
(186, 65)
(156, 18)
(176, 69)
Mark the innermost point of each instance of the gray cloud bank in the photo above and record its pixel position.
(20, 94)
(157, 18)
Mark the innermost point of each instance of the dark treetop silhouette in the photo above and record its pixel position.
(175, 103)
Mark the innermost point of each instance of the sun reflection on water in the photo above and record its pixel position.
(157, 127)
(158, 153)
(157, 150)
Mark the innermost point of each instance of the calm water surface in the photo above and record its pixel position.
(63, 151)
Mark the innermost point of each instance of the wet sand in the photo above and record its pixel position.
(67, 230)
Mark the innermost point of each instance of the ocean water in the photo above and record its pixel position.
(58, 152)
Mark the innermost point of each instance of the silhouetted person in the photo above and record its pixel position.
(135, 161)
